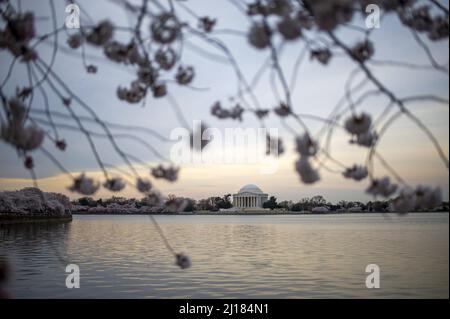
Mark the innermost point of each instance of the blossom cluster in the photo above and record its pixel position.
(165, 30)
(307, 148)
(25, 137)
(17, 35)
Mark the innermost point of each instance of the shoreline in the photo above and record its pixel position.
(244, 213)
(8, 219)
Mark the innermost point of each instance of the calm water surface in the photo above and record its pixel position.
(233, 256)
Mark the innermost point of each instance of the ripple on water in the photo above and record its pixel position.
(233, 256)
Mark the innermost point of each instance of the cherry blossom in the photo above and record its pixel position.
(207, 24)
(182, 260)
(382, 187)
(328, 14)
(165, 28)
(323, 55)
(84, 185)
(405, 202)
(289, 28)
(306, 146)
(114, 184)
(175, 205)
(185, 75)
(168, 173)
(101, 33)
(308, 174)
(61, 145)
(75, 41)
(283, 110)
(133, 95)
(367, 139)
(358, 124)
(363, 51)
(428, 198)
(143, 185)
(356, 172)
(122, 53)
(166, 58)
(259, 36)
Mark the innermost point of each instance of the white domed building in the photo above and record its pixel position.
(249, 196)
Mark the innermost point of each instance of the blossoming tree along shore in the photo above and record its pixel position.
(154, 52)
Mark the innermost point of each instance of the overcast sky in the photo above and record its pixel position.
(318, 89)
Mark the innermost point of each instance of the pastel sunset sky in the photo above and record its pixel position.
(318, 89)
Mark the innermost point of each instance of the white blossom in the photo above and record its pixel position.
(101, 33)
(428, 198)
(154, 198)
(328, 14)
(91, 69)
(26, 138)
(166, 59)
(17, 110)
(159, 90)
(18, 32)
(382, 187)
(165, 28)
(182, 260)
(170, 173)
(367, 139)
(61, 145)
(289, 28)
(175, 205)
(405, 202)
(147, 74)
(358, 124)
(306, 146)
(21, 26)
(363, 51)
(75, 41)
(114, 184)
(122, 53)
(185, 75)
(235, 113)
(307, 173)
(323, 56)
(219, 112)
(259, 36)
(283, 110)
(260, 113)
(356, 172)
(207, 24)
(134, 94)
(84, 185)
(143, 185)
(440, 29)
(305, 20)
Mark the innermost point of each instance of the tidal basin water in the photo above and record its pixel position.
(233, 256)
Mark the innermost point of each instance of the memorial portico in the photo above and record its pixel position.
(249, 196)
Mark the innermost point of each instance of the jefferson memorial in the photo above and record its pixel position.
(249, 196)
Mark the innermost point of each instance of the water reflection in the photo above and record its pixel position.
(233, 256)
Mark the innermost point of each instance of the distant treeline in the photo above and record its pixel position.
(225, 202)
